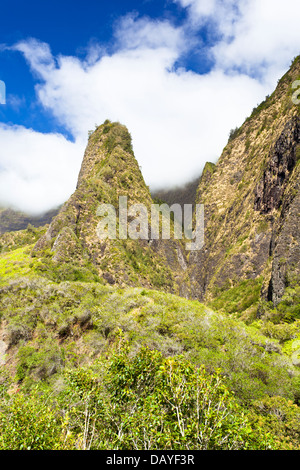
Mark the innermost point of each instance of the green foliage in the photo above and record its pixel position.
(13, 240)
(147, 401)
(69, 323)
(282, 332)
(144, 395)
(239, 298)
(132, 401)
(29, 423)
(233, 134)
(282, 419)
(117, 135)
(288, 309)
(44, 361)
(15, 264)
(58, 272)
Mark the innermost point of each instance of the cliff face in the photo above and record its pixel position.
(109, 170)
(285, 246)
(281, 162)
(252, 203)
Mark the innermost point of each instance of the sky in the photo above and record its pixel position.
(180, 74)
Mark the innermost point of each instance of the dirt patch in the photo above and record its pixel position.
(3, 348)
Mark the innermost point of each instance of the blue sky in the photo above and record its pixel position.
(179, 73)
(70, 28)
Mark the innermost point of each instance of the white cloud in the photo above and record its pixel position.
(200, 9)
(38, 55)
(178, 119)
(221, 14)
(38, 171)
(133, 33)
(259, 37)
(265, 38)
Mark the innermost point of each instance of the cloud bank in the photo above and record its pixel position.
(179, 119)
(33, 169)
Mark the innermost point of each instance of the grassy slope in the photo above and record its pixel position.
(78, 320)
(49, 328)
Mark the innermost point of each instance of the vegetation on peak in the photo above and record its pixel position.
(113, 135)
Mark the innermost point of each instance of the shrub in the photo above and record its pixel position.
(282, 418)
(153, 402)
(233, 133)
(29, 423)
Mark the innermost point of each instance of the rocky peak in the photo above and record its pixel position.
(109, 171)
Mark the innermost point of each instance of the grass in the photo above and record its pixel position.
(16, 264)
(54, 326)
(239, 298)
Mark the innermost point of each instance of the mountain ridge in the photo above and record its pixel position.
(246, 197)
(12, 220)
(251, 208)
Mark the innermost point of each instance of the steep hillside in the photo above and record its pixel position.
(251, 202)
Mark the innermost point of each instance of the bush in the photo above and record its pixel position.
(282, 418)
(152, 402)
(233, 133)
(29, 423)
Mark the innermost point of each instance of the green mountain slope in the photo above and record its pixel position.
(252, 203)
(54, 332)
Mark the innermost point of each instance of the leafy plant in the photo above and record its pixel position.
(152, 402)
(29, 423)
